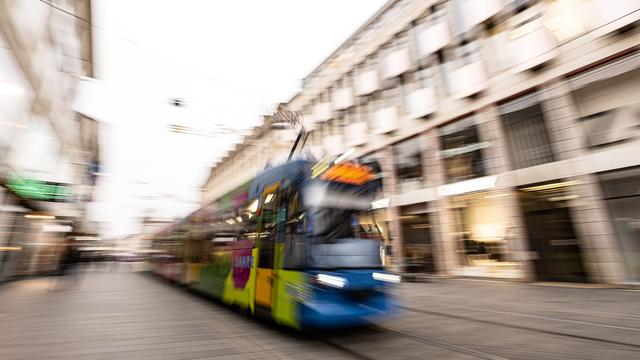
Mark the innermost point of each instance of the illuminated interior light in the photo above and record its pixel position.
(56, 228)
(497, 196)
(380, 203)
(563, 198)
(269, 198)
(230, 221)
(331, 280)
(386, 277)
(39, 217)
(552, 186)
(253, 207)
(343, 156)
(88, 238)
(478, 184)
(239, 219)
(10, 248)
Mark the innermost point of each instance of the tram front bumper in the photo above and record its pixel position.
(337, 311)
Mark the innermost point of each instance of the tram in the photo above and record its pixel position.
(290, 245)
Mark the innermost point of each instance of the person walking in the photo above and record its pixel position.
(68, 266)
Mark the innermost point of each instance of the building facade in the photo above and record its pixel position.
(507, 131)
(268, 143)
(49, 154)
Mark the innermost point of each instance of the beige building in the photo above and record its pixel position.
(507, 130)
(49, 154)
(269, 143)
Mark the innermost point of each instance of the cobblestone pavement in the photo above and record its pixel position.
(126, 315)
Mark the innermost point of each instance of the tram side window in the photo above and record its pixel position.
(205, 251)
(268, 230)
(247, 228)
(294, 246)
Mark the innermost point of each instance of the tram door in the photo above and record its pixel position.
(265, 276)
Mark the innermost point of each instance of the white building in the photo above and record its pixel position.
(507, 130)
(49, 154)
(269, 143)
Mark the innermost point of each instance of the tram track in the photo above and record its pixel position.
(522, 327)
(430, 341)
(345, 344)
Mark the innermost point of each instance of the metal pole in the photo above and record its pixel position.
(295, 144)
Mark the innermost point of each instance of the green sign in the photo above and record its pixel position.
(39, 190)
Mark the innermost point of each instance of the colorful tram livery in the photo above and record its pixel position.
(289, 245)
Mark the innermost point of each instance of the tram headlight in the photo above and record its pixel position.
(386, 277)
(331, 280)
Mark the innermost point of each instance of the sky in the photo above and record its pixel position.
(228, 61)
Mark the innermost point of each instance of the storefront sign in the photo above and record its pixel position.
(464, 149)
(462, 187)
(39, 190)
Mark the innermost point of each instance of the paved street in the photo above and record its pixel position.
(126, 315)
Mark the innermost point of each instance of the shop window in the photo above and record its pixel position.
(483, 234)
(408, 163)
(418, 246)
(623, 197)
(461, 150)
(526, 134)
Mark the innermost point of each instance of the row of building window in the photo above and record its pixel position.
(423, 62)
(461, 147)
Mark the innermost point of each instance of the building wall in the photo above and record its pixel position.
(48, 46)
(264, 146)
(45, 46)
(427, 64)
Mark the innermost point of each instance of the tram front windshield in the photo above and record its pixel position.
(331, 224)
(339, 237)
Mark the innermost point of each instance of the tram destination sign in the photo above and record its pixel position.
(39, 190)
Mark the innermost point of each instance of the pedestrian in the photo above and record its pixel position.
(68, 266)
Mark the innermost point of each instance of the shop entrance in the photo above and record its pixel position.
(623, 197)
(418, 248)
(551, 232)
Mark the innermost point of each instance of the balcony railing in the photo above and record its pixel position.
(434, 38)
(342, 98)
(477, 11)
(367, 82)
(334, 145)
(531, 46)
(421, 102)
(322, 112)
(467, 80)
(604, 12)
(385, 120)
(396, 63)
(356, 134)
